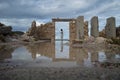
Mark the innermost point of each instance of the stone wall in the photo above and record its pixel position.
(72, 30)
(86, 29)
(94, 27)
(102, 33)
(32, 30)
(44, 31)
(118, 32)
(110, 28)
(80, 27)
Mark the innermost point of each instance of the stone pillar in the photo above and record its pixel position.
(32, 30)
(33, 24)
(94, 27)
(72, 32)
(53, 32)
(80, 27)
(110, 28)
(86, 29)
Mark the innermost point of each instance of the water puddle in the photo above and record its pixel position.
(58, 54)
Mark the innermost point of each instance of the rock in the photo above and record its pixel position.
(100, 40)
(5, 30)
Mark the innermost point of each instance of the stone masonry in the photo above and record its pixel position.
(43, 31)
(32, 30)
(72, 31)
(86, 29)
(110, 28)
(94, 27)
(80, 27)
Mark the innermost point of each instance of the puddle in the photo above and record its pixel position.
(58, 54)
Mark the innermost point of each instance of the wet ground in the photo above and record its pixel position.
(58, 61)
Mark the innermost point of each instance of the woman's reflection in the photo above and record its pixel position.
(61, 40)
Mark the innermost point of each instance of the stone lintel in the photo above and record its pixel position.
(62, 20)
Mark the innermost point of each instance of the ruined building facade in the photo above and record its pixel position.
(78, 29)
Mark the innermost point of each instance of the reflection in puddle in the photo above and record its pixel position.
(61, 50)
(102, 57)
(56, 54)
(87, 62)
(21, 53)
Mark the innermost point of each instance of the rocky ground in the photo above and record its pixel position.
(51, 73)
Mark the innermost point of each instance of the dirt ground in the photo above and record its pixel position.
(14, 72)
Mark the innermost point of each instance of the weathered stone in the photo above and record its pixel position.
(80, 27)
(110, 28)
(86, 29)
(32, 30)
(72, 27)
(41, 32)
(118, 31)
(94, 27)
(72, 31)
(102, 33)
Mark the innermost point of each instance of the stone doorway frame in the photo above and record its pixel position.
(70, 20)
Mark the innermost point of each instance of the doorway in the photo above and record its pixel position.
(62, 27)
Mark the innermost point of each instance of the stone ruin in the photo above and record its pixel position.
(110, 28)
(86, 29)
(94, 27)
(78, 29)
(43, 31)
(118, 32)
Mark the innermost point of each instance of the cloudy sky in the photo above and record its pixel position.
(20, 13)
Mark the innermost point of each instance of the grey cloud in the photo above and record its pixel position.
(47, 9)
(41, 8)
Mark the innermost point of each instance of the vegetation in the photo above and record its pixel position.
(17, 33)
(114, 41)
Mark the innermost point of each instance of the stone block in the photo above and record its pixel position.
(94, 27)
(110, 28)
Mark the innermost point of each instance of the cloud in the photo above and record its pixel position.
(42, 8)
(20, 13)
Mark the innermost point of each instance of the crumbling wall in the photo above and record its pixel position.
(86, 29)
(44, 31)
(118, 31)
(72, 26)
